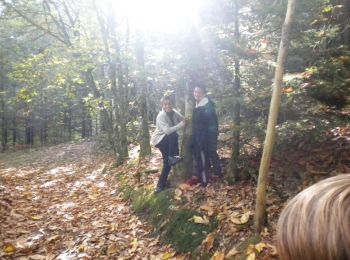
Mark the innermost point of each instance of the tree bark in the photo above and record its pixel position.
(145, 147)
(260, 210)
(237, 106)
(186, 152)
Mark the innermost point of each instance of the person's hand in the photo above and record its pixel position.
(186, 121)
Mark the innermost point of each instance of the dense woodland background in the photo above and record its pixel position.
(80, 69)
(72, 70)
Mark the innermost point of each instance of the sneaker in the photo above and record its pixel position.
(192, 181)
(174, 160)
(158, 189)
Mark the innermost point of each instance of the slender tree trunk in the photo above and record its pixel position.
(107, 121)
(145, 147)
(260, 210)
(14, 129)
(237, 106)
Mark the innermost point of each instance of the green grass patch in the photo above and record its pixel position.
(174, 225)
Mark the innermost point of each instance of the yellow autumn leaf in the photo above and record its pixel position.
(9, 248)
(245, 217)
(251, 256)
(235, 220)
(167, 255)
(218, 256)
(200, 220)
(250, 249)
(260, 247)
(208, 242)
(36, 217)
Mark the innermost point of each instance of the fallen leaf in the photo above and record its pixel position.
(112, 249)
(178, 192)
(208, 242)
(168, 255)
(218, 256)
(245, 217)
(273, 249)
(36, 217)
(184, 186)
(251, 256)
(260, 247)
(250, 249)
(37, 257)
(200, 220)
(9, 248)
(235, 220)
(209, 209)
(232, 252)
(53, 238)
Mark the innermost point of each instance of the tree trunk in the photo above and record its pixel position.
(186, 152)
(107, 121)
(234, 175)
(14, 129)
(145, 147)
(260, 210)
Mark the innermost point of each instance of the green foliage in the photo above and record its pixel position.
(329, 80)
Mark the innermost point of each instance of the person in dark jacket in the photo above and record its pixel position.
(205, 135)
(165, 138)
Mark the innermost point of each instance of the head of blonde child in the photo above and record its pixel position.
(315, 224)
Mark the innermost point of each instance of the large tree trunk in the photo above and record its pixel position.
(186, 152)
(234, 175)
(260, 210)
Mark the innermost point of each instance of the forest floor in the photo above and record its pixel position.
(67, 202)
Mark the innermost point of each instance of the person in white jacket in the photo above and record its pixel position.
(165, 138)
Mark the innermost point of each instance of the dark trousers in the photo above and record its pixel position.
(169, 146)
(213, 157)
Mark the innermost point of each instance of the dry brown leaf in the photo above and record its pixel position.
(207, 208)
(208, 242)
(53, 238)
(37, 257)
(178, 192)
(273, 249)
(218, 256)
(184, 186)
(112, 249)
(232, 252)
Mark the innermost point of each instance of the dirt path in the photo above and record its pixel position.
(60, 205)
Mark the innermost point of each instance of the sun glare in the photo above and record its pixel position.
(158, 15)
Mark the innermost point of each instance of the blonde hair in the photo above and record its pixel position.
(315, 224)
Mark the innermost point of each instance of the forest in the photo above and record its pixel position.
(80, 89)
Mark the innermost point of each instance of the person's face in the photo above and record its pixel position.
(167, 106)
(198, 94)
